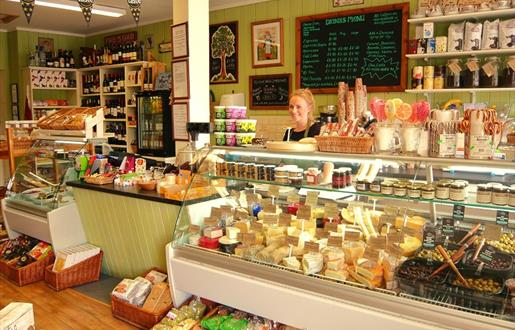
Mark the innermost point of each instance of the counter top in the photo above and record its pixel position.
(134, 192)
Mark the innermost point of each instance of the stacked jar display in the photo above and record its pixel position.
(232, 128)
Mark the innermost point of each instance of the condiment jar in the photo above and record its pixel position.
(280, 171)
(375, 186)
(387, 188)
(458, 191)
(312, 175)
(347, 173)
(428, 191)
(442, 189)
(512, 195)
(484, 194)
(508, 72)
(362, 185)
(400, 189)
(414, 191)
(489, 76)
(282, 179)
(439, 80)
(454, 75)
(471, 74)
(338, 179)
(500, 195)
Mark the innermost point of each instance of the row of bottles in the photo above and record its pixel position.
(90, 84)
(90, 102)
(115, 109)
(130, 52)
(61, 59)
(119, 131)
(152, 104)
(152, 140)
(113, 83)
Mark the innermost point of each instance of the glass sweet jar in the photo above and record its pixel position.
(454, 73)
(508, 72)
(489, 74)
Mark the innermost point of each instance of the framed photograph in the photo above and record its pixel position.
(267, 43)
(180, 117)
(149, 41)
(180, 40)
(165, 47)
(14, 111)
(47, 44)
(269, 92)
(14, 93)
(223, 53)
(180, 80)
(164, 81)
(341, 3)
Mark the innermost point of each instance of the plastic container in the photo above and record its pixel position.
(230, 125)
(246, 125)
(219, 112)
(219, 125)
(475, 267)
(219, 138)
(244, 138)
(236, 112)
(230, 139)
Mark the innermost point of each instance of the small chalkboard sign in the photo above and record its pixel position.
(270, 92)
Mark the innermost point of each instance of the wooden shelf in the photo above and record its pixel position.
(113, 94)
(460, 90)
(90, 95)
(132, 86)
(115, 119)
(114, 66)
(44, 68)
(49, 107)
(459, 17)
(131, 105)
(55, 88)
(132, 126)
(492, 52)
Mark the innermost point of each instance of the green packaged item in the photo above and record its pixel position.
(214, 323)
(234, 324)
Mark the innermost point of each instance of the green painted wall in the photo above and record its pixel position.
(4, 79)
(160, 32)
(289, 10)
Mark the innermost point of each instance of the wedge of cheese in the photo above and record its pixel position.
(291, 262)
(340, 274)
(312, 263)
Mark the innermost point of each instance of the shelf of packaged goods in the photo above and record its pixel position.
(52, 69)
(469, 202)
(461, 90)
(50, 107)
(114, 94)
(463, 16)
(493, 52)
(338, 157)
(115, 119)
(90, 95)
(54, 88)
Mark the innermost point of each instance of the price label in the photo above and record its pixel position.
(410, 231)
(429, 239)
(334, 241)
(487, 254)
(247, 238)
(216, 212)
(273, 191)
(377, 242)
(311, 247)
(240, 215)
(270, 219)
(489, 69)
(394, 249)
(256, 226)
(242, 226)
(226, 209)
(502, 217)
(371, 254)
(455, 68)
(448, 227)
(270, 208)
(492, 232)
(395, 237)
(472, 66)
(391, 211)
(293, 198)
(511, 64)
(330, 205)
(210, 221)
(292, 240)
(321, 233)
(194, 229)
(304, 212)
(312, 198)
(331, 214)
(352, 236)
(284, 219)
(458, 212)
(252, 198)
(331, 226)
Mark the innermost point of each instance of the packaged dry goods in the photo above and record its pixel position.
(455, 37)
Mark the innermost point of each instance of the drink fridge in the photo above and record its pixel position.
(155, 124)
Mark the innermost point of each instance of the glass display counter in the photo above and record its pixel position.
(408, 242)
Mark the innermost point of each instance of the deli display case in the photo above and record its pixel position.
(320, 240)
(38, 202)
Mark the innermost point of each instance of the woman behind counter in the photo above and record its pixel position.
(301, 108)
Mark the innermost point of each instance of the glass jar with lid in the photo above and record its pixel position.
(454, 73)
(439, 79)
(489, 76)
(471, 74)
(508, 72)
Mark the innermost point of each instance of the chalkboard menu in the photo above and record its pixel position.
(269, 91)
(369, 43)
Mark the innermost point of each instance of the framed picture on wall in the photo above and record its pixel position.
(165, 47)
(14, 111)
(180, 40)
(14, 93)
(180, 120)
(269, 92)
(180, 80)
(341, 3)
(223, 53)
(47, 44)
(267, 43)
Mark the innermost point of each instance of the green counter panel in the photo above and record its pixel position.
(132, 232)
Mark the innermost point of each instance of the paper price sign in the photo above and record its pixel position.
(270, 208)
(331, 226)
(241, 215)
(502, 217)
(273, 191)
(270, 219)
(257, 226)
(377, 242)
(394, 250)
(247, 238)
(321, 233)
(293, 198)
(352, 236)
(292, 240)
(311, 246)
(210, 221)
(284, 219)
(334, 241)
(312, 198)
(216, 212)
(252, 198)
(194, 229)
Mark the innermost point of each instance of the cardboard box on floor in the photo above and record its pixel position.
(18, 316)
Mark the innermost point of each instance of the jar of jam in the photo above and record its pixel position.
(338, 180)
(442, 190)
(362, 185)
(375, 186)
(484, 194)
(489, 76)
(347, 173)
(500, 195)
(428, 191)
(312, 175)
(508, 72)
(454, 74)
(400, 189)
(471, 74)
(458, 191)
(414, 191)
(387, 188)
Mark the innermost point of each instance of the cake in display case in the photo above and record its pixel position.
(422, 240)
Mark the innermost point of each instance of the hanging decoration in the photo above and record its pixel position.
(28, 8)
(135, 6)
(86, 6)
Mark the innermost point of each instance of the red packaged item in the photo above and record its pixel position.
(209, 243)
(40, 251)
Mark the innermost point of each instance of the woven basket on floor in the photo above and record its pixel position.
(345, 144)
(84, 272)
(135, 315)
(31, 273)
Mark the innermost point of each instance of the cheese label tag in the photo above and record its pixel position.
(448, 227)
(270, 219)
(216, 212)
(321, 233)
(210, 221)
(292, 240)
(194, 229)
(331, 226)
(331, 205)
(331, 213)
(489, 69)
(284, 219)
(293, 198)
(239, 214)
(304, 212)
(273, 191)
(455, 68)
(270, 208)
(371, 253)
(492, 232)
(352, 236)
(472, 66)
(311, 247)
(312, 198)
(395, 237)
(252, 198)
(502, 217)
(335, 241)
(247, 238)
(257, 226)
(394, 249)
(377, 242)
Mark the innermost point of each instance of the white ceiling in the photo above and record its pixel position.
(51, 19)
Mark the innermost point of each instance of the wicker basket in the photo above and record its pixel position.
(345, 144)
(3, 268)
(31, 273)
(100, 180)
(134, 315)
(84, 272)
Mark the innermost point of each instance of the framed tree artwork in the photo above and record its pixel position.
(267, 43)
(223, 49)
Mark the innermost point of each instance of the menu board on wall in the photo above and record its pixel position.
(269, 91)
(369, 43)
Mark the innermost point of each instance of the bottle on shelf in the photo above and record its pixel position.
(61, 59)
